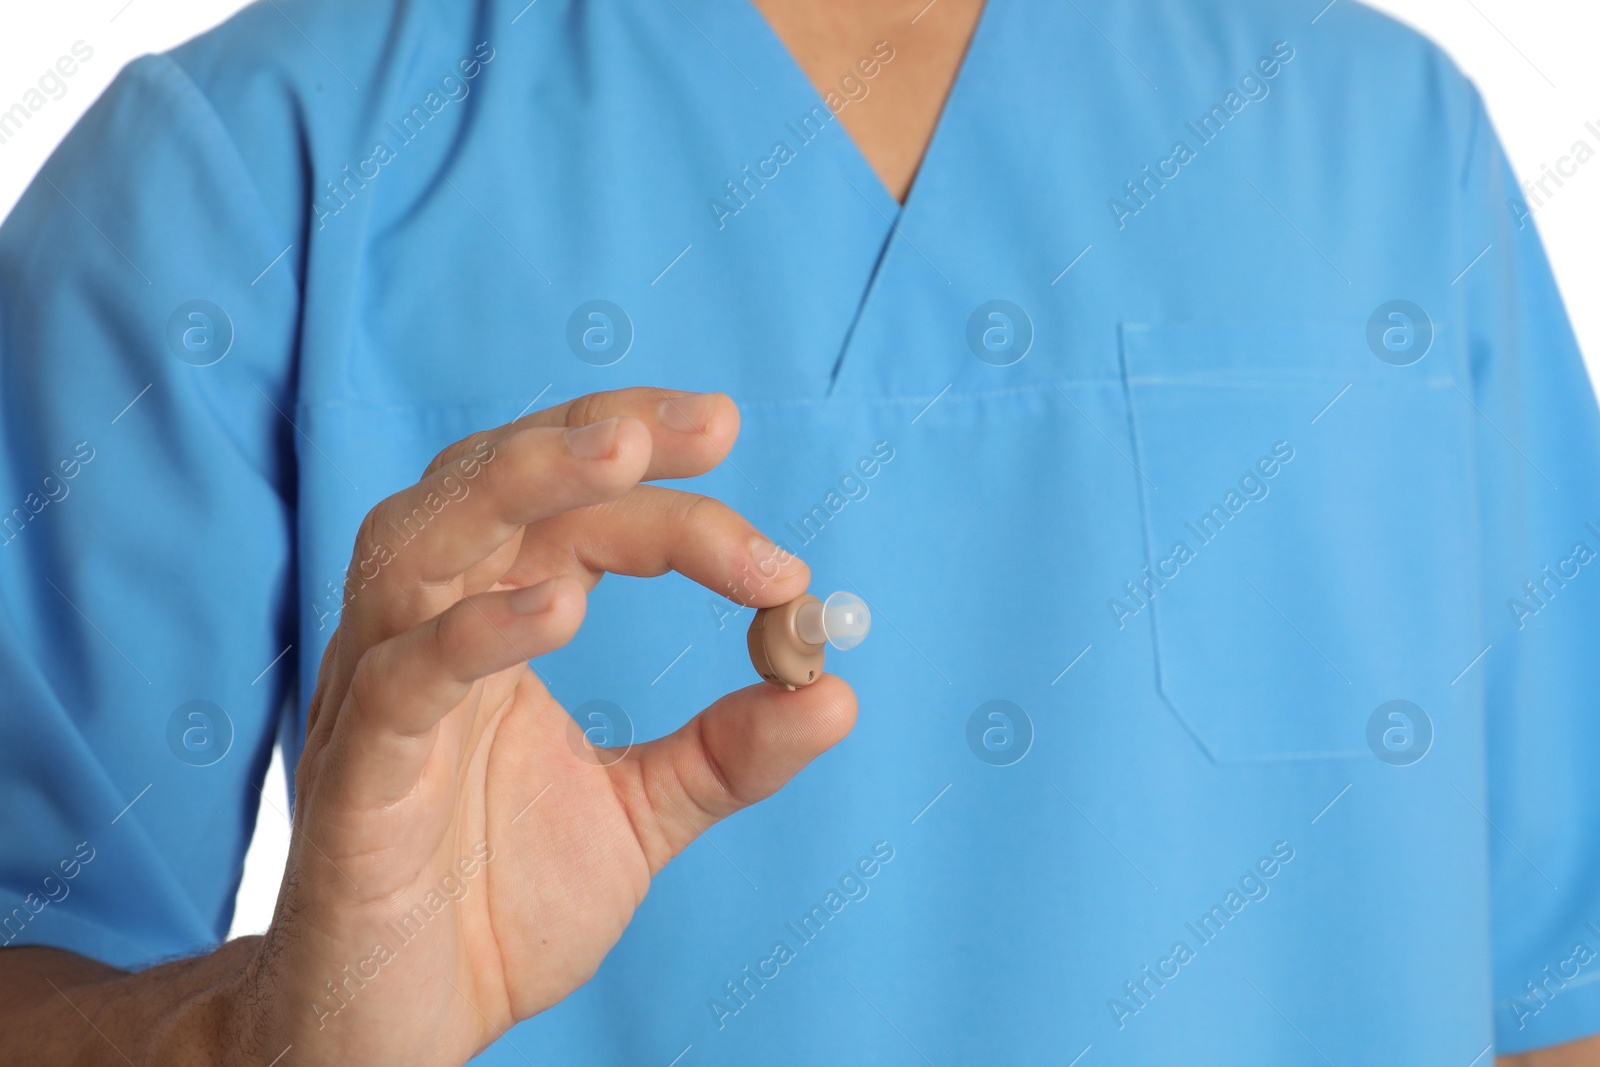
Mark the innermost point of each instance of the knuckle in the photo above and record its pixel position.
(459, 453)
(444, 457)
(369, 535)
(697, 512)
(723, 797)
(452, 633)
(367, 682)
(586, 409)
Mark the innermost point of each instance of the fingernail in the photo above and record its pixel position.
(594, 441)
(771, 560)
(688, 414)
(534, 599)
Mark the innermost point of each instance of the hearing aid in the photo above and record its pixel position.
(788, 642)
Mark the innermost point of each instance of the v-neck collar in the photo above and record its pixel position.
(777, 72)
(793, 79)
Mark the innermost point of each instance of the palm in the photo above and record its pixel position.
(569, 869)
(564, 873)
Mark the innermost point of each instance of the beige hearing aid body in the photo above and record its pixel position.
(788, 642)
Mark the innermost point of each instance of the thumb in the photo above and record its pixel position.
(740, 750)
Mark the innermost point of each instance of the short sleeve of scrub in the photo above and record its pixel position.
(1539, 462)
(147, 310)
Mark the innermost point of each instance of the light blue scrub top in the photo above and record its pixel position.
(1166, 501)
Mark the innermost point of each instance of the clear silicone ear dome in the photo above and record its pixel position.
(842, 621)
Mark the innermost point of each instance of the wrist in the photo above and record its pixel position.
(208, 1009)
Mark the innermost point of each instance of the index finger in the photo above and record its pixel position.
(651, 530)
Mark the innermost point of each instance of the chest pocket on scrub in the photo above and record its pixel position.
(1307, 528)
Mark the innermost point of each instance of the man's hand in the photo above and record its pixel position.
(461, 859)
(431, 741)
(1583, 1053)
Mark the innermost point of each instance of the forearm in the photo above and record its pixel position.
(59, 1008)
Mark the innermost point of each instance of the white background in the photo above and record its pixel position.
(1533, 60)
